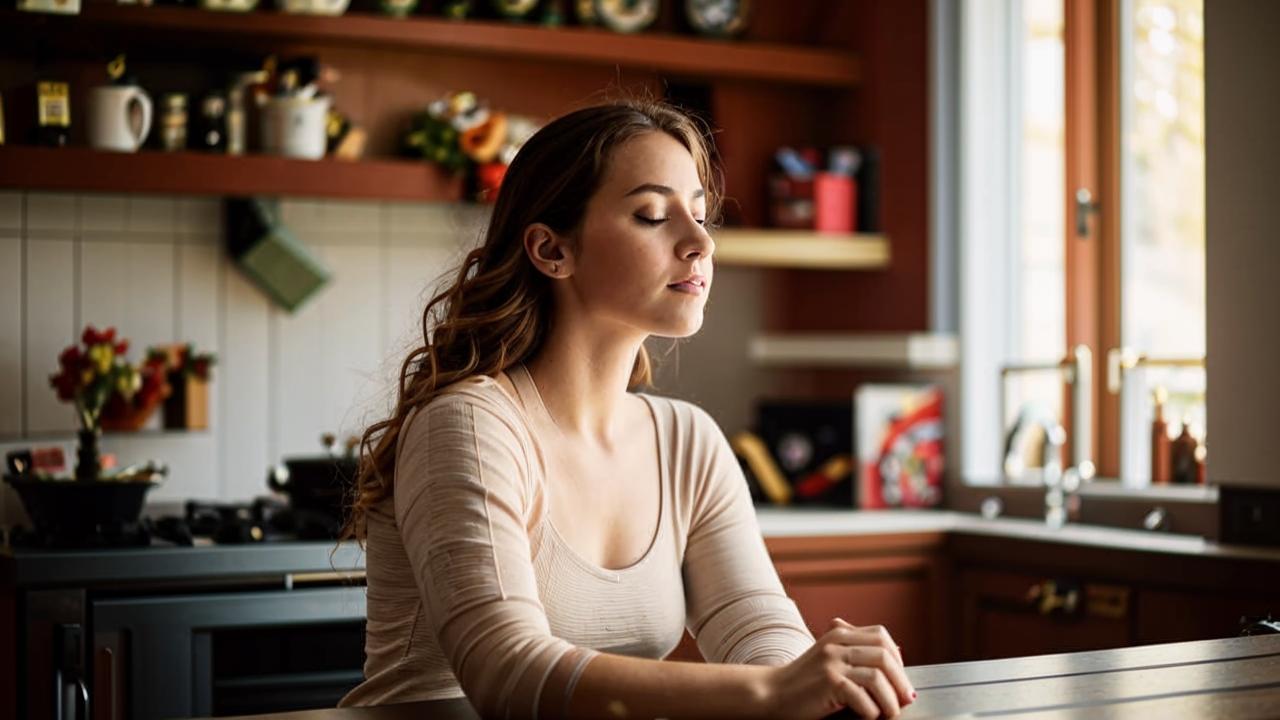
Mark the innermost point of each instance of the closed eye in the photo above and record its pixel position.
(659, 221)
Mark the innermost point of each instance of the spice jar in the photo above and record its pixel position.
(173, 123)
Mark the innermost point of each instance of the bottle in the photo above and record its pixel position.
(1161, 472)
(1184, 456)
(53, 113)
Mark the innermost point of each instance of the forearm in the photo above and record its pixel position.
(616, 686)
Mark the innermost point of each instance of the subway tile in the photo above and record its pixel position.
(353, 217)
(52, 211)
(10, 210)
(152, 213)
(99, 213)
(199, 215)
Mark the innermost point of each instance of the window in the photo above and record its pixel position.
(1060, 96)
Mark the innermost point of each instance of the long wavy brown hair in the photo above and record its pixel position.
(498, 309)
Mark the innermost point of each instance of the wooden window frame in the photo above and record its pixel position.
(1091, 38)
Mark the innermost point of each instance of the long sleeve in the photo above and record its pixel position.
(464, 503)
(737, 608)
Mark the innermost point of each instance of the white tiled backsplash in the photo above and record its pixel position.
(154, 267)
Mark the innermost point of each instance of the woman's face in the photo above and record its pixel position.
(643, 258)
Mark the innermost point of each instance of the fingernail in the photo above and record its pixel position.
(913, 694)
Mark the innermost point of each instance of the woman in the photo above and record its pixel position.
(539, 534)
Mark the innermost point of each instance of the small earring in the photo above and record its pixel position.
(555, 268)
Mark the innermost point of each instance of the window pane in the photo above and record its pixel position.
(1039, 299)
(1163, 236)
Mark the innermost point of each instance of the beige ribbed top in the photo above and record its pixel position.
(472, 591)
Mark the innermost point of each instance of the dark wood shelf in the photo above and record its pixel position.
(692, 56)
(189, 173)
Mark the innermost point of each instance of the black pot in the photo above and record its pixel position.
(80, 509)
(315, 483)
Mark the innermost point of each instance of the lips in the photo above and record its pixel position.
(694, 285)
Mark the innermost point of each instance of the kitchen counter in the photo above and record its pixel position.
(803, 522)
(282, 560)
(1233, 677)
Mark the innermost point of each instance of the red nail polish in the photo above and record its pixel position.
(913, 694)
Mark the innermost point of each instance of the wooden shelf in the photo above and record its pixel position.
(916, 351)
(801, 249)
(189, 173)
(687, 55)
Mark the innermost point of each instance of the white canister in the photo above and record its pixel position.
(295, 127)
(119, 117)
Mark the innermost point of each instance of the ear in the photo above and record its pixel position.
(548, 251)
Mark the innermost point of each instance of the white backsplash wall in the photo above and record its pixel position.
(154, 267)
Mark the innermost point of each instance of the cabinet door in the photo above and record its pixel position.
(1176, 616)
(1005, 614)
(892, 591)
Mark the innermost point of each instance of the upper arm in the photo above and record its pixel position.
(463, 500)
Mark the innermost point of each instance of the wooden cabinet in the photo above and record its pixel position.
(1123, 597)
(1011, 614)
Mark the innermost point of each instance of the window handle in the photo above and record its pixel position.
(1085, 206)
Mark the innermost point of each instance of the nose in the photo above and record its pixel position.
(698, 244)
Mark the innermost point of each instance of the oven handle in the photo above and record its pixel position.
(79, 702)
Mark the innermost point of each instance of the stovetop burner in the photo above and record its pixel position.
(263, 520)
(106, 535)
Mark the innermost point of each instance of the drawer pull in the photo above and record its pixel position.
(1107, 601)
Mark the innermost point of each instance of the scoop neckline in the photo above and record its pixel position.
(660, 446)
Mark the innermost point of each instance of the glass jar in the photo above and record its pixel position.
(174, 122)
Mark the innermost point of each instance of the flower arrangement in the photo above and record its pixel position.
(463, 135)
(105, 387)
(185, 362)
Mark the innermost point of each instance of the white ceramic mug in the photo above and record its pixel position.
(295, 127)
(119, 117)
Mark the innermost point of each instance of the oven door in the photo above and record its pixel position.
(226, 653)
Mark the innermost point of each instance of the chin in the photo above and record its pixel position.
(681, 327)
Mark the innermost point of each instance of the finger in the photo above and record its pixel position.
(855, 698)
(878, 657)
(884, 639)
(878, 687)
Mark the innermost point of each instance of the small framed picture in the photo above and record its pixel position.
(898, 438)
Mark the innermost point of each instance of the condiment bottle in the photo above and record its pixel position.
(1184, 456)
(1161, 470)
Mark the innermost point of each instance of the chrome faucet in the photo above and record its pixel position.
(1061, 484)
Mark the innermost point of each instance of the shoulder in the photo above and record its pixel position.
(683, 416)
(476, 403)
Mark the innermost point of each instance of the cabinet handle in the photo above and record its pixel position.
(104, 700)
(1049, 597)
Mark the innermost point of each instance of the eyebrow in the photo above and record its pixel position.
(661, 190)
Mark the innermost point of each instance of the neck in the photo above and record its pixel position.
(582, 376)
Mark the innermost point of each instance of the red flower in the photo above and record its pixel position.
(122, 347)
(90, 335)
(70, 358)
(65, 383)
